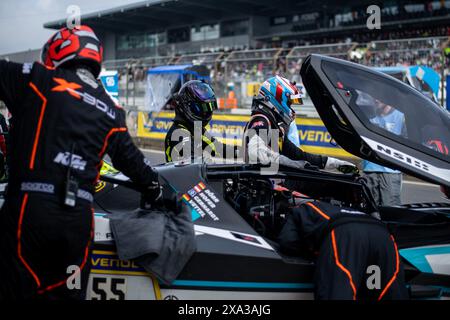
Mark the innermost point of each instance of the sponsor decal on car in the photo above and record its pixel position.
(107, 262)
(102, 229)
(99, 186)
(407, 159)
(202, 200)
(107, 288)
(115, 279)
(245, 238)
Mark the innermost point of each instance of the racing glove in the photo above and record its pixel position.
(151, 196)
(340, 165)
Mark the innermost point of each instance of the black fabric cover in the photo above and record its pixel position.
(161, 242)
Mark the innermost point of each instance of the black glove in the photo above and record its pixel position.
(347, 169)
(151, 196)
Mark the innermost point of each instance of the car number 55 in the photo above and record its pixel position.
(108, 288)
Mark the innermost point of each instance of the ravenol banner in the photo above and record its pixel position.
(314, 137)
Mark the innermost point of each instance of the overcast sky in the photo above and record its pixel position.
(21, 21)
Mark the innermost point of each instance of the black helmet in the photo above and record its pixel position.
(195, 101)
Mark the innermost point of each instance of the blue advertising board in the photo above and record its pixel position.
(110, 80)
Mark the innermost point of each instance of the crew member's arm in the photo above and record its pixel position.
(127, 158)
(262, 145)
(258, 147)
(293, 152)
(14, 79)
(258, 140)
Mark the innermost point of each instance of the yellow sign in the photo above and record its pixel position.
(314, 137)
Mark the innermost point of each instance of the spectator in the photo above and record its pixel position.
(384, 182)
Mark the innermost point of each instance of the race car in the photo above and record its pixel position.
(238, 212)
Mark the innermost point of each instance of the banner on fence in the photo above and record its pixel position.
(314, 137)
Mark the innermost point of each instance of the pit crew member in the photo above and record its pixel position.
(272, 110)
(355, 255)
(63, 123)
(194, 105)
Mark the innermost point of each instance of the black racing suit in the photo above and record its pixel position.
(181, 137)
(350, 248)
(61, 118)
(3, 146)
(262, 124)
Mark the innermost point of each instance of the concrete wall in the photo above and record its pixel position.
(186, 47)
(108, 40)
(259, 26)
(198, 46)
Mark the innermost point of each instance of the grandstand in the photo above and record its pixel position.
(244, 68)
(243, 42)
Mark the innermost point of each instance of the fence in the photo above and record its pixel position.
(243, 71)
(211, 60)
(424, 51)
(295, 57)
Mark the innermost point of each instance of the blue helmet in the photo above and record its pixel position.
(279, 94)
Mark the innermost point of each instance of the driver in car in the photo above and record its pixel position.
(271, 117)
(188, 138)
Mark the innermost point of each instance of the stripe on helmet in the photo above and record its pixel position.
(92, 47)
(84, 33)
(287, 84)
(279, 93)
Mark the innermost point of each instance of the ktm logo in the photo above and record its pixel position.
(76, 162)
(71, 88)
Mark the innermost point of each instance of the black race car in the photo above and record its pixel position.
(238, 212)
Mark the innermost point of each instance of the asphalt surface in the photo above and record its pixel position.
(413, 191)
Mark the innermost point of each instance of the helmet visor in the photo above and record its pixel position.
(203, 91)
(295, 99)
(203, 110)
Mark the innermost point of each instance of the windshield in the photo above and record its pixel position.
(393, 110)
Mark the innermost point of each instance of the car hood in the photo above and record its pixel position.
(379, 118)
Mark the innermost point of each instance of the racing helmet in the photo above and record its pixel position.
(195, 101)
(279, 94)
(68, 46)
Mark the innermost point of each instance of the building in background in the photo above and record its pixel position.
(243, 42)
(169, 27)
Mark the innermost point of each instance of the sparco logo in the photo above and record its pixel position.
(403, 157)
(77, 162)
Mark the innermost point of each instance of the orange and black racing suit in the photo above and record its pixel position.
(61, 119)
(356, 256)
